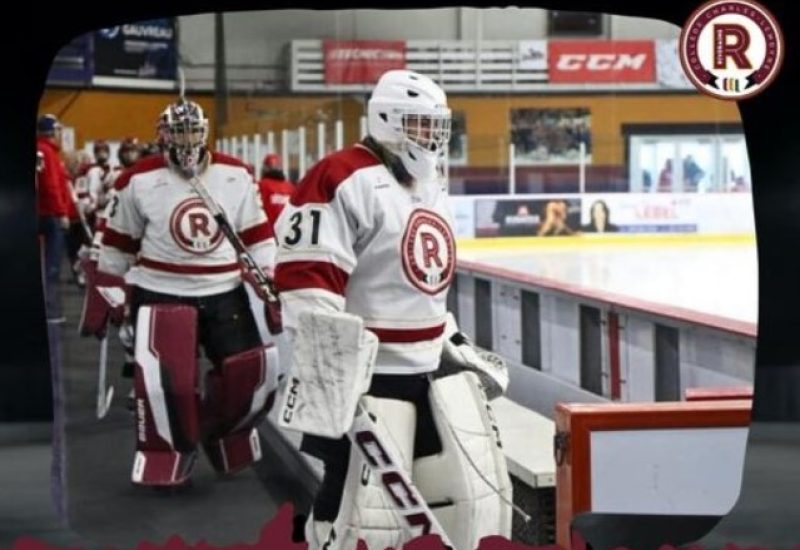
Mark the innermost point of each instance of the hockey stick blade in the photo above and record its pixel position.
(104, 394)
(382, 458)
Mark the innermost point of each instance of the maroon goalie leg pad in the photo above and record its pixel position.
(165, 388)
(96, 309)
(238, 396)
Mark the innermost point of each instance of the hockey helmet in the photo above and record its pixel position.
(128, 152)
(101, 151)
(408, 114)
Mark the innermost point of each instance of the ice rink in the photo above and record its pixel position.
(706, 275)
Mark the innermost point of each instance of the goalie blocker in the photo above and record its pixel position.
(172, 418)
(428, 457)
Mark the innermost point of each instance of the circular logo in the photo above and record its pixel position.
(731, 49)
(428, 251)
(193, 228)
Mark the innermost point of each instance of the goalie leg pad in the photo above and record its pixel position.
(466, 506)
(165, 389)
(238, 396)
(366, 512)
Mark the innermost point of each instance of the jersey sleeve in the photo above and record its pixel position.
(316, 235)
(254, 229)
(123, 232)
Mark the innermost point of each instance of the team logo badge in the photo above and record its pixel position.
(428, 251)
(731, 49)
(193, 228)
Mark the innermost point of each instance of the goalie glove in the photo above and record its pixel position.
(272, 305)
(459, 354)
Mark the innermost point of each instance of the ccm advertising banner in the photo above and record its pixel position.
(361, 61)
(141, 55)
(602, 61)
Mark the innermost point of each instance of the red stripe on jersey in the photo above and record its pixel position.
(100, 224)
(320, 183)
(121, 241)
(256, 234)
(407, 336)
(222, 158)
(188, 269)
(147, 164)
(301, 275)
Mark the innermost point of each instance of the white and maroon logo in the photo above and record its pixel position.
(731, 49)
(428, 251)
(193, 228)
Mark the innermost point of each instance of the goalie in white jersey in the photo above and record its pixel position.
(367, 241)
(185, 281)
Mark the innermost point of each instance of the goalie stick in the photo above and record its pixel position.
(104, 393)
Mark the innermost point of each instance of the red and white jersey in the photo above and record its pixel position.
(353, 238)
(95, 189)
(160, 235)
(108, 182)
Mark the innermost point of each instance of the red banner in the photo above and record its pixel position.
(361, 61)
(602, 61)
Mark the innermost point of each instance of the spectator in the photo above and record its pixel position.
(692, 174)
(274, 188)
(53, 208)
(665, 177)
(599, 219)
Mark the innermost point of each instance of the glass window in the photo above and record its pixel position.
(542, 136)
(458, 139)
(688, 164)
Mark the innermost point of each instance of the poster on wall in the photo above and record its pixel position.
(602, 61)
(533, 55)
(72, 65)
(640, 213)
(138, 55)
(534, 217)
(361, 61)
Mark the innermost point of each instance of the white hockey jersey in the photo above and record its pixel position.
(353, 238)
(161, 237)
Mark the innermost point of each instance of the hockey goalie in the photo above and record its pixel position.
(164, 234)
(387, 392)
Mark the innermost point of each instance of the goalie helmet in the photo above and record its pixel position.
(408, 114)
(186, 131)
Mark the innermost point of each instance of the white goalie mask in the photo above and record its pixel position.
(408, 114)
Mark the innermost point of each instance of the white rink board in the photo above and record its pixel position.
(708, 278)
(694, 471)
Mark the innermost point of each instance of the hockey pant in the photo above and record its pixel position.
(172, 418)
(453, 481)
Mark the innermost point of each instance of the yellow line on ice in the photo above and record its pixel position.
(584, 241)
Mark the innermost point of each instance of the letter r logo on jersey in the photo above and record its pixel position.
(193, 228)
(428, 251)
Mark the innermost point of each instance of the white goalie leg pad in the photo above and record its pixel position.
(366, 511)
(454, 482)
(332, 362)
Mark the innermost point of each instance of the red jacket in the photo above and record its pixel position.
(53, 199)
(274, 195)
